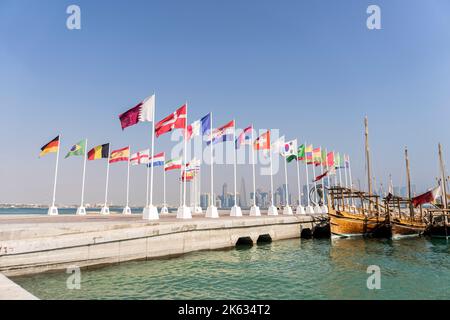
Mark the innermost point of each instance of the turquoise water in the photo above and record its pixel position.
(289, 269)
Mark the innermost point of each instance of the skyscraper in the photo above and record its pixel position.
(243, 195)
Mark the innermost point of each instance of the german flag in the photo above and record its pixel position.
(99, 152)
(50, 147)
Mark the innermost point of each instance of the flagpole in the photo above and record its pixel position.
(234, 162)
(184, 154)
(184, 212)
(148, 182)
(324, 208)
(345, 174)
(152, 155)
(340, 176)
(271, 175)
(253, 169)
(298, 178)
(211, 212)
(53, 210)
(164, 182)
(105, 209)
(128, 182)
(287, 209)
(307, 178)
(314, 175)
(81, 210)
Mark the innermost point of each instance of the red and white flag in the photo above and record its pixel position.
(140, 157)
(263, 141)
(427, 197)
(329, 172)
(142, 112)
(176, 120)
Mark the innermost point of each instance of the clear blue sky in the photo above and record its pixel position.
(310, 68)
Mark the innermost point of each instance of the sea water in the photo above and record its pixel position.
(414, 268)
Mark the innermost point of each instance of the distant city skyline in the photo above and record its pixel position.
(311, 70)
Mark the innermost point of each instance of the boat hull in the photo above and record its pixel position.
(345, 224)
(402, 229)
(438, 231)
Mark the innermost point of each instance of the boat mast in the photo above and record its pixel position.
(366, 133)
(443, 184)
(408, 177)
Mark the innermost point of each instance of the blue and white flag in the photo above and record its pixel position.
(157, 160)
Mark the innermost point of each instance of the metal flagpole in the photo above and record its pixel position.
(56, 172)
(339, 168)
(314, 171)
(148, 181)
(152, 155)
(128, 178)
(107, 174)
(234, 169)
(164, 183)
(286, 181)
(184, 154)
(253, 169)
(82, 211)
(307, 178)
(211, 199)
(328, 176)
(181, 183)
(271, 175)
(298, 177)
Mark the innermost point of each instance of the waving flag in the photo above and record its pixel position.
(99, 152)
(140, 157)
(157, 160)
(77, 149)
(278, 145)
(329, 172)
(346, 161)
(50, 147)
(199, 127)
(289, 148)
(338, 161)
(317, 156)
(173, 164)
(309, 154)
(427, 197)
(263, 141)
(142, 112)
(244, 138)
(224, 133)
(330, 159)
(176, 120)
(299, 156)
(119, 155)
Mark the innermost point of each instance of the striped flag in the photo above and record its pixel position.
(244, 138)
(157, 160)
(50, 147)
(173, 164)
(224, 133)
(119, 155)
(99, 152)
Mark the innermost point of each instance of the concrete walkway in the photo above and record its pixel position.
(12, 291)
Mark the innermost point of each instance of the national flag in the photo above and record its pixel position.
(278, 145)
(142, 112)
(263, 141)
(346, 161)
(338, 161)
(317, 156)
(309, 154)
(244, 138)
(140, 157)
(175, 120)
(173, 164)
(198, 127)
(157, 160)
(299, 156)
(188, 175)
(120, 155)
(77, 149)
(99, 152)
(222, 134)
(326, 173)
(324, 158)
(289, 148)
(193, 164)
(427, 197)
(330, 159)
(50, 147)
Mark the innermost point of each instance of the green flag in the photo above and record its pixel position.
(300, 154)
(78, 149)
(337, 161)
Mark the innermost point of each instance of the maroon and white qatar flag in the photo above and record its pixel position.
(142, 112)
(176, 120)
(427, 197)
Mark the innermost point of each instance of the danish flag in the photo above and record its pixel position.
(176, 120)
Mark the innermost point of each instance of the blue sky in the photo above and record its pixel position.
(309, 68)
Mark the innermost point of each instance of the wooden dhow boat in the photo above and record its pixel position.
(357, 213)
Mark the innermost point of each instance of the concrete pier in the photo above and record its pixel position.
(33, 244)
(12, 291)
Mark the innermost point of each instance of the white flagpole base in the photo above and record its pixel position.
(287, 211)
(164, 210)
(236, 211)
(317, 210)
(324, 209)
(212, 212)
(273, 211)
(150, 213)
(126, 210)
(81, 211)
(300, 210)
(184, 212)
(309, 210)
(198, 210)
(105, 210)
(52, 211)
(255, 212)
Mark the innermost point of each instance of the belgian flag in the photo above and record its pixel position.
(99, 152)
(50, 147)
